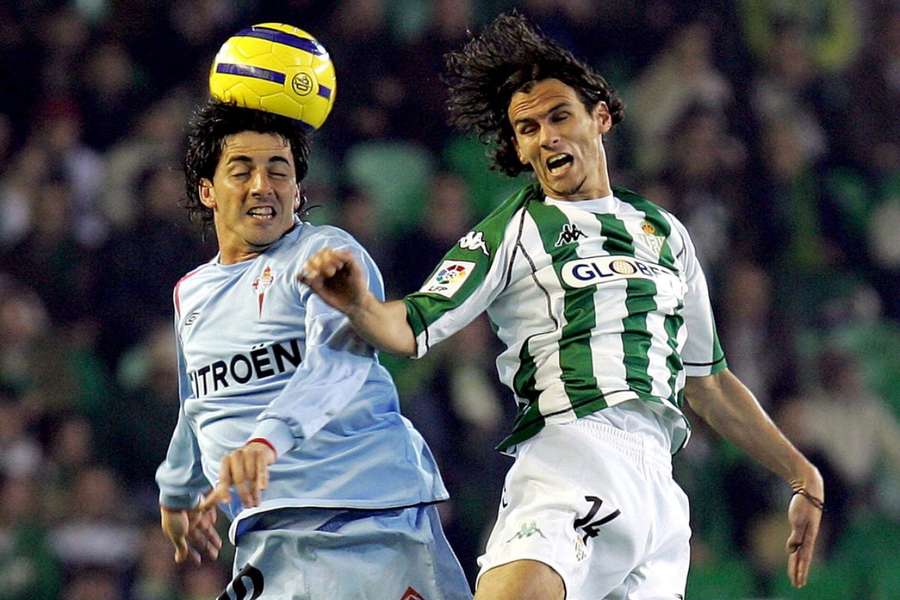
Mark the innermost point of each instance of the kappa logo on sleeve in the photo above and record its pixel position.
(449, 277)
(474, 240)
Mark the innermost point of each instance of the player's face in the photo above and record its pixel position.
(561, 140)
(253, 194)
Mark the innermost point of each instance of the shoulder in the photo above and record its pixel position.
(192, 277)
(493, 227)
(325, 235)
(674, 229)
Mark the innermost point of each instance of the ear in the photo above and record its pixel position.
(207, 193)
(602, 117)
(519, 154)
(297, 197)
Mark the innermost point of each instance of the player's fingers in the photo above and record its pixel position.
(798, 565)
(262, 474)
(239, 479)
(252, 460)
(221, 492)
(181, 549)
(206, 541)
(262, 477)
(799, 554)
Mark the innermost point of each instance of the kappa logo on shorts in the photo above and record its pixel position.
(528, 529)
(411, 594)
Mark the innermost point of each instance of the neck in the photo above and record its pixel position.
(230, 257)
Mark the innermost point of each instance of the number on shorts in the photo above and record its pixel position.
(237, 589)
(590, 528)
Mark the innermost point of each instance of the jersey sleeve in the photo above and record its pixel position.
(468, 279)
(335, 367)
(180, 476)
(702, 354)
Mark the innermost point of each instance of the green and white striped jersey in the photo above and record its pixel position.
(597, 302)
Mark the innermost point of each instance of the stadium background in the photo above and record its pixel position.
(769, 127)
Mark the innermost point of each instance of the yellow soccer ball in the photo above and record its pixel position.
(276, 68)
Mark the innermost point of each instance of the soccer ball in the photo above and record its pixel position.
(276, 68)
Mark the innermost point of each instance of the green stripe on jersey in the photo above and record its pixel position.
(575, 359)
(639, 301)
(672, 324)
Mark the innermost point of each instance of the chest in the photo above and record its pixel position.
(255, 313)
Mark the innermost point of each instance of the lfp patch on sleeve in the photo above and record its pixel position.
(449, 277)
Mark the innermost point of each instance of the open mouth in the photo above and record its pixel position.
(558, 162)
(262, 213)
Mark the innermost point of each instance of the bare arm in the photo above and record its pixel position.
(338, 279)
(730, 408)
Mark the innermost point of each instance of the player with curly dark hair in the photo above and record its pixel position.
(599, 298)
(283, 409)
(508, 56)
(208, 129)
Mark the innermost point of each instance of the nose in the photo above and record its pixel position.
(260, 184)
(549, 136)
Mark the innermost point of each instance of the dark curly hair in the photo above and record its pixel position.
(509, 55)
(210, 124)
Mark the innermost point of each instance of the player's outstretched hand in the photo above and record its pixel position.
(247, 469)
(804, 517)
(336, 277)
(192, 532)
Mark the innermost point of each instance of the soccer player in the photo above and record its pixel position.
(601, 303)
(331, 492)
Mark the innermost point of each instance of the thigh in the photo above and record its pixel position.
(397, 554)
(662, 574)
(573, 504)
(521, 580)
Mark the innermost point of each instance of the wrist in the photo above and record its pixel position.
(814, 500)
(810, 481)
(357, 310)
(265, 442)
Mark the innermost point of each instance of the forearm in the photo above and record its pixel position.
(731, 409)
(383, 324)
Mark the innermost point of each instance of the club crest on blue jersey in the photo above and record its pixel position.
(261, 284)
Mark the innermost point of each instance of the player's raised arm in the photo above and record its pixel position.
(339, 280)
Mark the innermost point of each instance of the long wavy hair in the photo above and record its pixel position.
(210, 124)
(509, 55)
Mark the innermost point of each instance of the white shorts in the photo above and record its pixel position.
(600, 507)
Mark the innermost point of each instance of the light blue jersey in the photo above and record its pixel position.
(260, 355)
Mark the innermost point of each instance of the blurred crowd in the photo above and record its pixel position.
(770, 128)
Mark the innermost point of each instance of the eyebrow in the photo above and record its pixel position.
(242, 158)
(563, 104)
